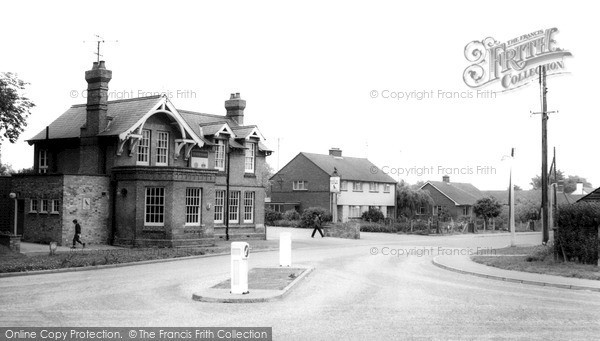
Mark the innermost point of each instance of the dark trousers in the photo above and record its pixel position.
(77, 239)
(317, 228)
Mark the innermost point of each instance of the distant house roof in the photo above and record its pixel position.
(349, 168)
(534, 195)
(593, 196)
(460, 192)
(128, 112)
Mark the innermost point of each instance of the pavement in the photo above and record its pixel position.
(463, 264)
(31, 249)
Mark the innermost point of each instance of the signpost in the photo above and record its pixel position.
(334, 189)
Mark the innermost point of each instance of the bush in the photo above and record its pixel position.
(291, 215)
(374, 227)
(307, 219)
(286, 223)
(373, 215)
(578, 231)
(540, 254)
(271, 216)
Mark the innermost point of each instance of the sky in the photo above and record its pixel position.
(316, 75)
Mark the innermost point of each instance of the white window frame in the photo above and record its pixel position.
(234, 207)
(386, 188)
(143, 148)
(250, 157)
(344, 185)
(162, 148)
(219, 207)
(193, 206)
(373, 187)
(55, 206)
(465, 210)
(43, 161)
(300, 185)
(220, 155)
(249, 207)
(44, 205)
(357, 186)
(354, 211)
(154, 206)
(422, 210)
(33, 205)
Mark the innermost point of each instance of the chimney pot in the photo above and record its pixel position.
(446, 178)
(235, 106)
(335, 152)
(101, 65)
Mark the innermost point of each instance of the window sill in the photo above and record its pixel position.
(32, 212)
(249, 175)
(300, 190)
(54, 213)
(373, 191)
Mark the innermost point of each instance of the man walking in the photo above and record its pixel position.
(77, 236)
(317, 223)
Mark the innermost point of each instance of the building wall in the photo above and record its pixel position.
(38, 226)
(6, 205)
(440, 199)
(302, 169)
(379, 198)
(95, 218)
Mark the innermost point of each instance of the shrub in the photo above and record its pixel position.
(271, 216)
(286, 223)
(307, 219)
(540, 254)
(291, 215)
(373, 215)
(578, 231)
(374, 227)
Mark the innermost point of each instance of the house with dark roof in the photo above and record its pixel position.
(305, 182)
(593, 196)
(457, 198)
(142, 172)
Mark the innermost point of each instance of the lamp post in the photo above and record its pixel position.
(14, 196)
(511, 197)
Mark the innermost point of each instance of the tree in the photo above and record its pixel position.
(570, 182)
(409, 200)
(266, 172)
(5, 169)
(14, 107)
(487, 208)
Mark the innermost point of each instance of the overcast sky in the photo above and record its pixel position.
(307, 70)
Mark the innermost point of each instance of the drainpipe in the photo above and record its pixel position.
(14, 196)
(227, 152)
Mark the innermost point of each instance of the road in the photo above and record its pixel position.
(352, 294)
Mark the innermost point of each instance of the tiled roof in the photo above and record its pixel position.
(593, 196)
(349, 168)
(124, 112)
(533, 195)
(459, 192)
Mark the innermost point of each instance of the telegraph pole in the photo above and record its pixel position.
(544, 90)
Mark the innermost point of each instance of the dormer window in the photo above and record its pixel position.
(220, 155)
(249, 160)
(43, 165)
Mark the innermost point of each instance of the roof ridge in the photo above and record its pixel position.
(343, 157)
(121, 100)
(200, 113)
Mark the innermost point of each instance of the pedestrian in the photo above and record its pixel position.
(77, 236)
(317, 223)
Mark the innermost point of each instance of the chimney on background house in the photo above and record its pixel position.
(579, 188)
(335, 152)
(235, 108)
(97, 98)
(446, 178)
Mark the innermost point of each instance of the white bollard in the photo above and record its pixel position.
(239, 268)
(285, 249)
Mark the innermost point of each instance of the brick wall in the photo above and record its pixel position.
(40, 226)
(440, 199)
(301, 168)
(78, 191)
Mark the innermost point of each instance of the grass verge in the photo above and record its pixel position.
(537, 259)
(16, 262)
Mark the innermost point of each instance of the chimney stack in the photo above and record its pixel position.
(446, 178)
(579, 188)
(335, 152)
(235, 108)
(97, 98)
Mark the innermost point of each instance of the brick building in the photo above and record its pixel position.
(457, 198)
(142, 172)
(304, 182)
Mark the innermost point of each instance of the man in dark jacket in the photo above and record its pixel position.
(317, 223)
(77, 237)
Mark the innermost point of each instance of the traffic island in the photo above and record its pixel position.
(264, 285)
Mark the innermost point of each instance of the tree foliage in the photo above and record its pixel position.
(14, 107)
(409, 199)
(570, 182)
(487, 208)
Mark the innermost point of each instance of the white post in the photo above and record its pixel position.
(285, 249)
(239, 268)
